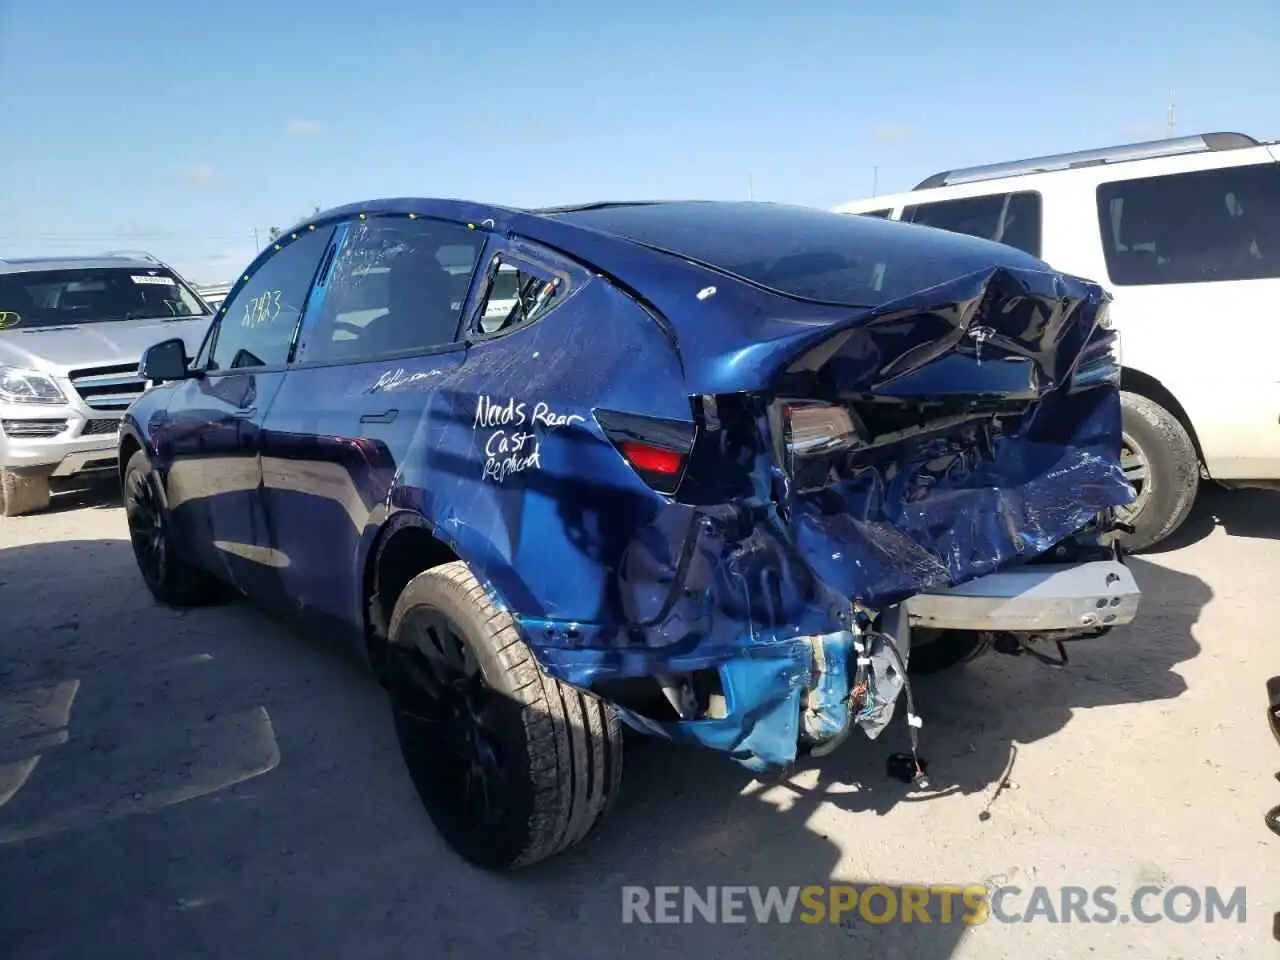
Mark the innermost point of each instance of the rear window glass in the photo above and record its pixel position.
(49, 298)
(800, 252)
(1012, 218)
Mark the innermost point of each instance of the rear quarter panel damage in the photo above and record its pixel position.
(609, 580)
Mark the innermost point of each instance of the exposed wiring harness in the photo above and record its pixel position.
(914, 723)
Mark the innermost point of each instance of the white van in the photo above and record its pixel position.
(1185, 234)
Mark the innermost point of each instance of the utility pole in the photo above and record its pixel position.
(256, 245)
(875, 181)
(751, 187)
(1169, 121)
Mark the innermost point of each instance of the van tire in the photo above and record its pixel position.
(22, 493)
(548, 754)
(1172, 471)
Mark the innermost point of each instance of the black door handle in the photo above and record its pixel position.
(386, 416)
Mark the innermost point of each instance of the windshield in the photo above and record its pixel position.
(800, 252)
(50, 298)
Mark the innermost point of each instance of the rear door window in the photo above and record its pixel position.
(1198, 227)
(397, 287)
(1009, 218)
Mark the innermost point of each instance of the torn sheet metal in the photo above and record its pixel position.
(740, 571)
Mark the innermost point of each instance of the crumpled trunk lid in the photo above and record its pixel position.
(985, 429)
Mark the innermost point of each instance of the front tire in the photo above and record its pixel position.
(170, 579)
(22, 493)
(512, 765)
(1161, 463)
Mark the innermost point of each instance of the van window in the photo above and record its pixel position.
(1009, 218)
(1198, 227)
(882, 214)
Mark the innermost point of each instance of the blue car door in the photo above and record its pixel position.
(379, 334)
(211, 441)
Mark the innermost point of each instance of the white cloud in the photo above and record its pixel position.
(201, 175)
(302, 128)
(891, 133)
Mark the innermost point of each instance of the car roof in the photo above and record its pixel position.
(32, 264)
(581, 234)
(581, 237)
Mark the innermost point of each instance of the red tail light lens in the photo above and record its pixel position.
(656, 449)
(647, 459)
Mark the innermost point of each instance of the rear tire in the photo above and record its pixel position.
(1161, 462)
(170, 579)
(22, 493)
(512, 765)
(935, 651)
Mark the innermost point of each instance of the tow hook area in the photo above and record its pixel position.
(1013, 645)
(1020, 644)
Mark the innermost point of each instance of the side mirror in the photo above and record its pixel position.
(165, 361)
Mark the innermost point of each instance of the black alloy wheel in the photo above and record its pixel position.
(147, 531)
(450, 725)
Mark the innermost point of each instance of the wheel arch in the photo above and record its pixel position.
(128, 446)
(1145, 385)
(404, 547)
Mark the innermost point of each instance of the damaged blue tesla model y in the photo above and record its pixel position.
(704, 469)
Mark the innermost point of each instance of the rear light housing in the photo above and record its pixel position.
(656, 449)
(1100, 360)
(813, 429)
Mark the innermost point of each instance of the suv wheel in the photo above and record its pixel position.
(170, 579)
(512, 765)
(22, 493)
(1160, 462)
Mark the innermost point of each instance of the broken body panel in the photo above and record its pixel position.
(631, 477)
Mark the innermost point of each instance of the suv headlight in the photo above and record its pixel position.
(28, 386)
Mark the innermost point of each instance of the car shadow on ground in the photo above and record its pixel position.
(97, 494)
(1250, 512)
(208, 783)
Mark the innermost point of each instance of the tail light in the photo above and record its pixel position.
(649, 459)
(657, 450)
(813, 429)
(1100, 359)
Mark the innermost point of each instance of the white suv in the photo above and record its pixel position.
(1185, 233)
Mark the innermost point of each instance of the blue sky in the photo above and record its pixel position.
(182, 127)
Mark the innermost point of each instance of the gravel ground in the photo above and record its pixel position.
(212, 783)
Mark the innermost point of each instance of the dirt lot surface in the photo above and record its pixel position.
(213, 784)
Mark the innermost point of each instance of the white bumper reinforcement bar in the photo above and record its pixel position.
(1034, 598)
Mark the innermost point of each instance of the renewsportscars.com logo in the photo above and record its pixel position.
(968, 904)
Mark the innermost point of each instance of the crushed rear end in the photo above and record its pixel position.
(842, 460)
